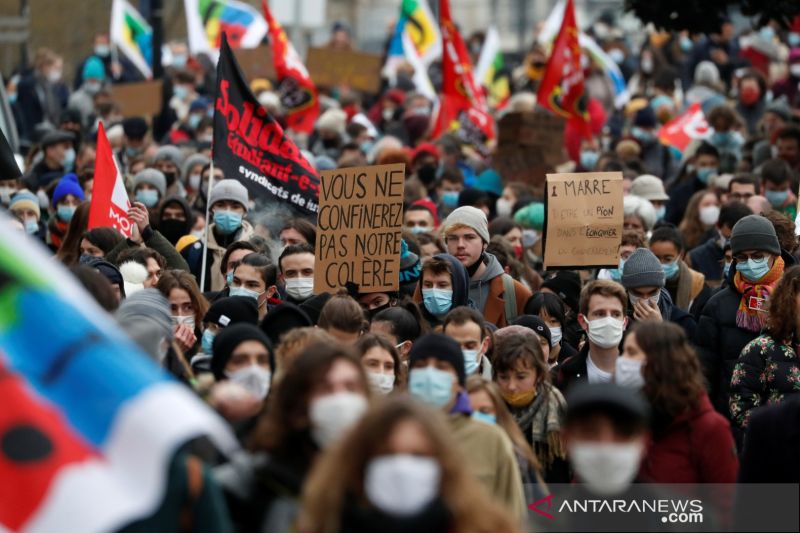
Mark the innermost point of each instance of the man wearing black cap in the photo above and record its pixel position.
(59, 158)
(437, 378)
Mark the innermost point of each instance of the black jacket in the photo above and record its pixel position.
(708, 259)
(572, 370)
(771, 444)
(679, 197)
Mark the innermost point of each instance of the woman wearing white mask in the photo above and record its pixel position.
(700, 219)
(318, 399)
(396, 472)
(381, 362)
(691, 442)
(188, 306)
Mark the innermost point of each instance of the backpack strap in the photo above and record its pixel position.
(509, 298)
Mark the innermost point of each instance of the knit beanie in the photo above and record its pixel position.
(754, 232)
(531, 216)
(431, 207)
(152, 177)
(169, 153)
(410, 265)
(192, 161)
(145, 317)
(642, 269)
(25, 199)
(109, 270)
(471, 217)
(535, 324)
(93, 69)
(566, 284)
(230, 190)
(226, 341)
(283, 318)
(232, 310)
(334, 120)
(439, 347)
(490, 181)
(313, 306)
(67, 185)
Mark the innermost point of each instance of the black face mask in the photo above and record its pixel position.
(475, 266)
(372, 312)
(330, 143)
(173, 229)
(427, 174)
(170, 177)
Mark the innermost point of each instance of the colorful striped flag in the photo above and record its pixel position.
(132, 35)
(206, 20)
(489, 70)
(417, 40)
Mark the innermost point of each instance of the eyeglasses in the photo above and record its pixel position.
(756, 256)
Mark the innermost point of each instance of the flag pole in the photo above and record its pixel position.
(208, 224)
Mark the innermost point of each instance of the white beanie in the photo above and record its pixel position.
(471, 217)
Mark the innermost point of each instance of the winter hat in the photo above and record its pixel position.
(531, 216)
(754, 232)
(706, 73)
(645, 118)
(133, 277)
(25, 199)
(56, 137)
(535, 324)
(229, 190)
(642, 269)
(313, 306)
(780, 108)
(471, 217)
(410, 267)
(650, 188)
(67, 185)
(490, 181)
(145, 318)
(192, 161)
(226, 341)
(566, 284)
(334, 120)
(282, 319)
(439, 347)
(425, 149)
(169, 153)
(152, 177)
(110, 271)
(232, 310)
(472, 196)
(93, 69)
(586, 398)
(431, 207)
(134, 127)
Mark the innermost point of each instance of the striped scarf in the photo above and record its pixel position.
(752, 313)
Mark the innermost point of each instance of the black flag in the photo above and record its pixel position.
(9, 170)
(251, 147)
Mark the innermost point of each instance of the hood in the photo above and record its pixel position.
(493, 269)
(173, 230)
(460, 280)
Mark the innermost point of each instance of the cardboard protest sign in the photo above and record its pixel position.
(138, 99)
(583, 220)
(331, 68)
(359, 228)
(529, 146)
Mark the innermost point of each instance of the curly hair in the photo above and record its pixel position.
(673, 378)
(784, 229)
(781, 322)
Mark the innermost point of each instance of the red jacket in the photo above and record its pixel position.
(697, 447)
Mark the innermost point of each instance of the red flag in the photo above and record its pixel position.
(297, 91)
(685, 128)
(562, 89)
(462, 105)
(110, 203)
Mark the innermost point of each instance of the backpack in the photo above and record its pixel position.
(509, 298)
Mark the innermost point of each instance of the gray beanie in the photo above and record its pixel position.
(169, 153)
(192, 161)
(229, 190)
(469, 216)
(152, 177)
(642, 269)
(754, 232)
(145, 318)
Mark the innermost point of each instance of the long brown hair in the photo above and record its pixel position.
(782, 319)
(372, 340)
(691, 227)
(179, 279)
(673, 378)
(70, 250)
(340, 472)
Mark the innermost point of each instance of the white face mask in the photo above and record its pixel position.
(300, 288)
(194, 182)
(332, 415)
(503, 207)
(255, 379)
(402, 485)
(555, 336)
(188, 320)
(653, 299)
(606, 332)
(795, 70)
(54, 76)
(709, 215)
(5, 194)
(380, 383)
(607, 469)
(628, 373)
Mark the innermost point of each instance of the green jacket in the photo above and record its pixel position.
(152, 239)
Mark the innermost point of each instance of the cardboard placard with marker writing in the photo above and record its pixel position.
(583, 220)
(359, 228)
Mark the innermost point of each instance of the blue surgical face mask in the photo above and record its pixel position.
(767, 33)
(181, 91)
(450, 198)
(641, 135)
(777, 198)
(589, 159)
(794, 39)
(194, 120)
(686, 43)
(471, 361)
(207, 341)
(65, 212)
(68, 161)
(754, 270)
(431, 385)
(616, 273)
(704, 174)
(437, 301)
(416, 230)
(227, 222)
(242, 291)
(661, 212)
(148, 197)
(31, 226)
(229, 278)
(671, 269)
(485, 417)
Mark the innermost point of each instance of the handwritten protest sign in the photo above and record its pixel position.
(331, 68)
(583, 220)
(138, 99)
(359, 228)
(529, 146)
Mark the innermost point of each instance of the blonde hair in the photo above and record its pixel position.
(340, 471)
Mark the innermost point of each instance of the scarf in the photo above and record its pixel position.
(752, 313)
(542, 420)
(683, 293)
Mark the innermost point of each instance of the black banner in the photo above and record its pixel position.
(251, 147)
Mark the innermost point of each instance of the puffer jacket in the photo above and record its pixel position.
(766, 373)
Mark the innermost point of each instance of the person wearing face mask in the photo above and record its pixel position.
(437, 378)
(400, 454)
(644, 278)
(523, 375)
(381, 363)
(777, 178)
(221, 314)
(41, 95)
(709, 257)
(686, 287)
(603, 315)
(187, 306)
(735, 314)
(695, 177)
(651, 188)
(296, 264)
(243, 355)
(401, 325)
(58, 159)
(657, 158)
(550, 309)
(419, 219)
(255, 277)
(425, 164)
(149, 187)
(443, 285)
(25, 205)
(135, 141)
(168, 159)
(465, 326)
(321, 396)
(725, 136)
(191, 171)
(691, 442)
(752, 102)
(82, 100)
(631, 240)
(66, 197)
(542, 331)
